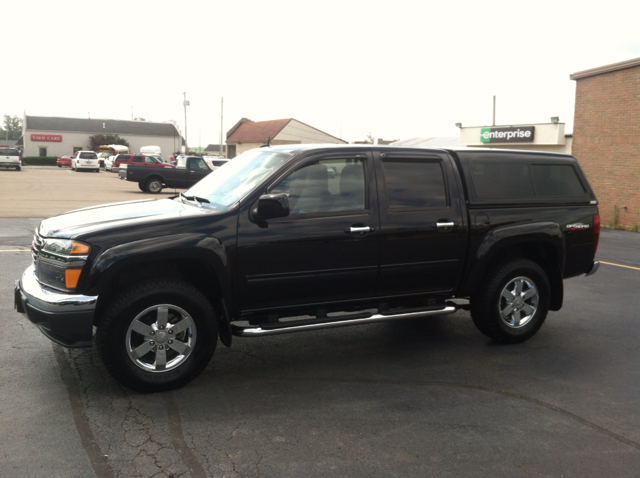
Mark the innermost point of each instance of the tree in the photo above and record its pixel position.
(100, 139)
(370, 139)
(13, 126)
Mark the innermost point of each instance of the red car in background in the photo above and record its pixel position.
(64, 160)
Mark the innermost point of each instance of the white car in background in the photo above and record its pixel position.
(108, 163)
(86, 160)
(214, 162)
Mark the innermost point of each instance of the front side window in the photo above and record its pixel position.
(414, 183)
(326, 186)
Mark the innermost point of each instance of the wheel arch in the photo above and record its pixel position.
(542, 243)
(193, 258)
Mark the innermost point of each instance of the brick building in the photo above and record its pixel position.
(247, 134)
(606, 138)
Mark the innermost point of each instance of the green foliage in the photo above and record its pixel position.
(41, 160)
(100, 139)
(370, 139)
(12, 125)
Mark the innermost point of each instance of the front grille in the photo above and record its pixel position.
(36, 246)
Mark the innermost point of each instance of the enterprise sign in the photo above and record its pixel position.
(522, 134)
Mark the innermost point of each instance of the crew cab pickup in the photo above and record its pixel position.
(273, 243)
(181, 176)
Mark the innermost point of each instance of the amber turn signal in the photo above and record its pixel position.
(79, 248)
(71, 277)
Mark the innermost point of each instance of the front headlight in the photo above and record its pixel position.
(60, 263)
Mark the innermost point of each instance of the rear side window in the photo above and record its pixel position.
(502, 180)
(556, 180)
(517, 180)
(414, 183)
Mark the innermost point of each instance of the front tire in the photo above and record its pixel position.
(513, 302)
(142, 187)
(157, 336)
(154, 186)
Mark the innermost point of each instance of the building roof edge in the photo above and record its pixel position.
(605, 69)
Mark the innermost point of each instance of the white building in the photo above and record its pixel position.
(55, 136)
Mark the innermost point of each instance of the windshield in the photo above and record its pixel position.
(225, 186)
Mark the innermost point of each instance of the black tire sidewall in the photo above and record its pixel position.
(150, 190)
(112, 331)
(485, 307)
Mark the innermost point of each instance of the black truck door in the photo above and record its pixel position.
(422, 226)
(196, 170)
(325, 250)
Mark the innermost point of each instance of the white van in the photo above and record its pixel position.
(151, 151)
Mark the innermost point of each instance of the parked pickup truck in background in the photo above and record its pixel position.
(10, 158)
(179, 177)
(273, 243)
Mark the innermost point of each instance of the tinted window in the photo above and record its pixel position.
(331, 185)
(556, 180)
(196, 163)
(414, 183)
(9, 152)
(525, 181)
(88, 156)
(502, 180)
(138, 159)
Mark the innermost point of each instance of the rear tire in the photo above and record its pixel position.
(513, 302)
(157, 336)
(153, 186)
(18, 168)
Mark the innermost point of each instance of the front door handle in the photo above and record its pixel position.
(359, 229)
(443, 225)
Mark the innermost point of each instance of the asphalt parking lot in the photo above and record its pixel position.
(427, 397)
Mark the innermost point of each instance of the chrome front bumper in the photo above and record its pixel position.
(65, 318)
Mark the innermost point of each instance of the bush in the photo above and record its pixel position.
(40, 160)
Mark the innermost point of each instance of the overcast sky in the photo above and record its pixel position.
(395, 69)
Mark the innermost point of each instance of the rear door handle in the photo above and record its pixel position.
(359, 229)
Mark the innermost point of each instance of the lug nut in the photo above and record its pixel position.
(161, 347)
(152, 343)
(161, 327)
(170, 331)
(153, 332)
(170, 342)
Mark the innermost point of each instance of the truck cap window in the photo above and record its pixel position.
(520, 180)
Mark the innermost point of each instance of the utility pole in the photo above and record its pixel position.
(221, 111)
(185, 103)
(494, 110)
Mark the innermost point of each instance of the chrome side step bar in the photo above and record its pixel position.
(258, 331)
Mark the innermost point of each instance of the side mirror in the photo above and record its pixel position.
(271, 206)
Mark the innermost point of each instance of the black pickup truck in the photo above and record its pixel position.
(297, 238)
(184, 175)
